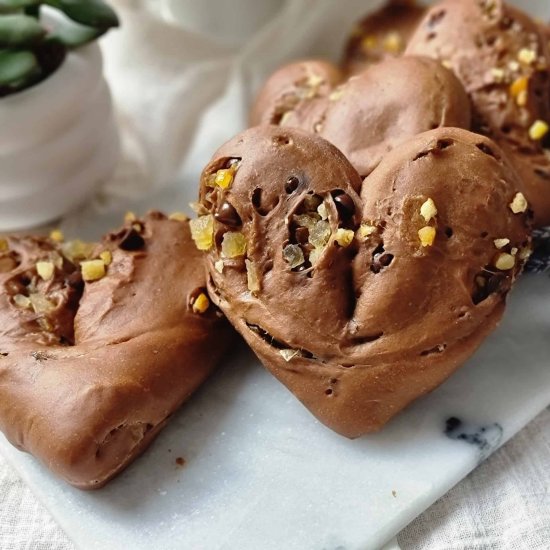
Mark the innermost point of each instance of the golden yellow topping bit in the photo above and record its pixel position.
(524, 253)
(224, 178)
(289, 354)
(519, 85)
(498, 74)
(427, 235)
(501, 243)
(447, 64)
(514, 251)
(106, 257)
(201, 303)
(319, 234)
(428, 210)
(538, 130)
(293, 255)
(178, 216)
(233, 244)
(45, 324)
(4, 246)
(315, 254)
(344, 237)
(252, 277)
(322, 210)
(77, 250)
(202, 231)
(365, 231)
(369, 42)
(513, 66)
(519, 204)
(505, 261)
(92, 270)
(129, 217)
(22, 301)
(198, 208)
(45, 270)
(57, 236)
(393, 43)
(527, 56)
(218, 266)
(522, 98)
(41, 304)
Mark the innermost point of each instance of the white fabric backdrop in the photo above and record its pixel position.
(181, 92)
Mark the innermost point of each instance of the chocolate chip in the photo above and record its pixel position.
(292, 184)
(227, 215)
(344, 205)
(131, 241)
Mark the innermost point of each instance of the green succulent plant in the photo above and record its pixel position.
(31, 49)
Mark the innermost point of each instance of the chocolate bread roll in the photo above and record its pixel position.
(361, 296)
(381, 34)
(370, 113)
(502, 58)
(100, 344)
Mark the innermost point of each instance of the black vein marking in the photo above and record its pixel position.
(539, 262)
(485, 438)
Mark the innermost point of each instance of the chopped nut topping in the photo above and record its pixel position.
(201, 303)
(44, 324)
(447, 64)
(198, 208)
(252, 277)
(428, 210)
(319, 234)
(202, 231)
(513, 66)
(293, 255)
(218, 266)
(106, 257)
(514, 251)
(524, 253)
(337, 94)
(306, 220)
(538, 130)
(344, 237)
(427, 235)
(22, 301)
(519, 204)
(233, 244)
(129, 217)
(178, 216)
(393, 43)
(289, 354)
(57, 236)
(501, 243)
(505, 261)
(519, 85)
(40, 304)
(92, 270)
(4, 246)
(498, 74)
(527, 56)
(323, 211)
(45, 270)
(365, 231)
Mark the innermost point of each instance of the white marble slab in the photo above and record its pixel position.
(260, 472)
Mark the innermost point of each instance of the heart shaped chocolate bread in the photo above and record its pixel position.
(502, 58)
(100, 344)
(373, 112)
(360, 297)
(381, 34)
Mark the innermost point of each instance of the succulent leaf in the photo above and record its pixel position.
(92, 13)
(18, 30)
(16, 65)
(73, 34)
(7, 6)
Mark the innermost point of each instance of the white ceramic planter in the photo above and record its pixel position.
(58, 142)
